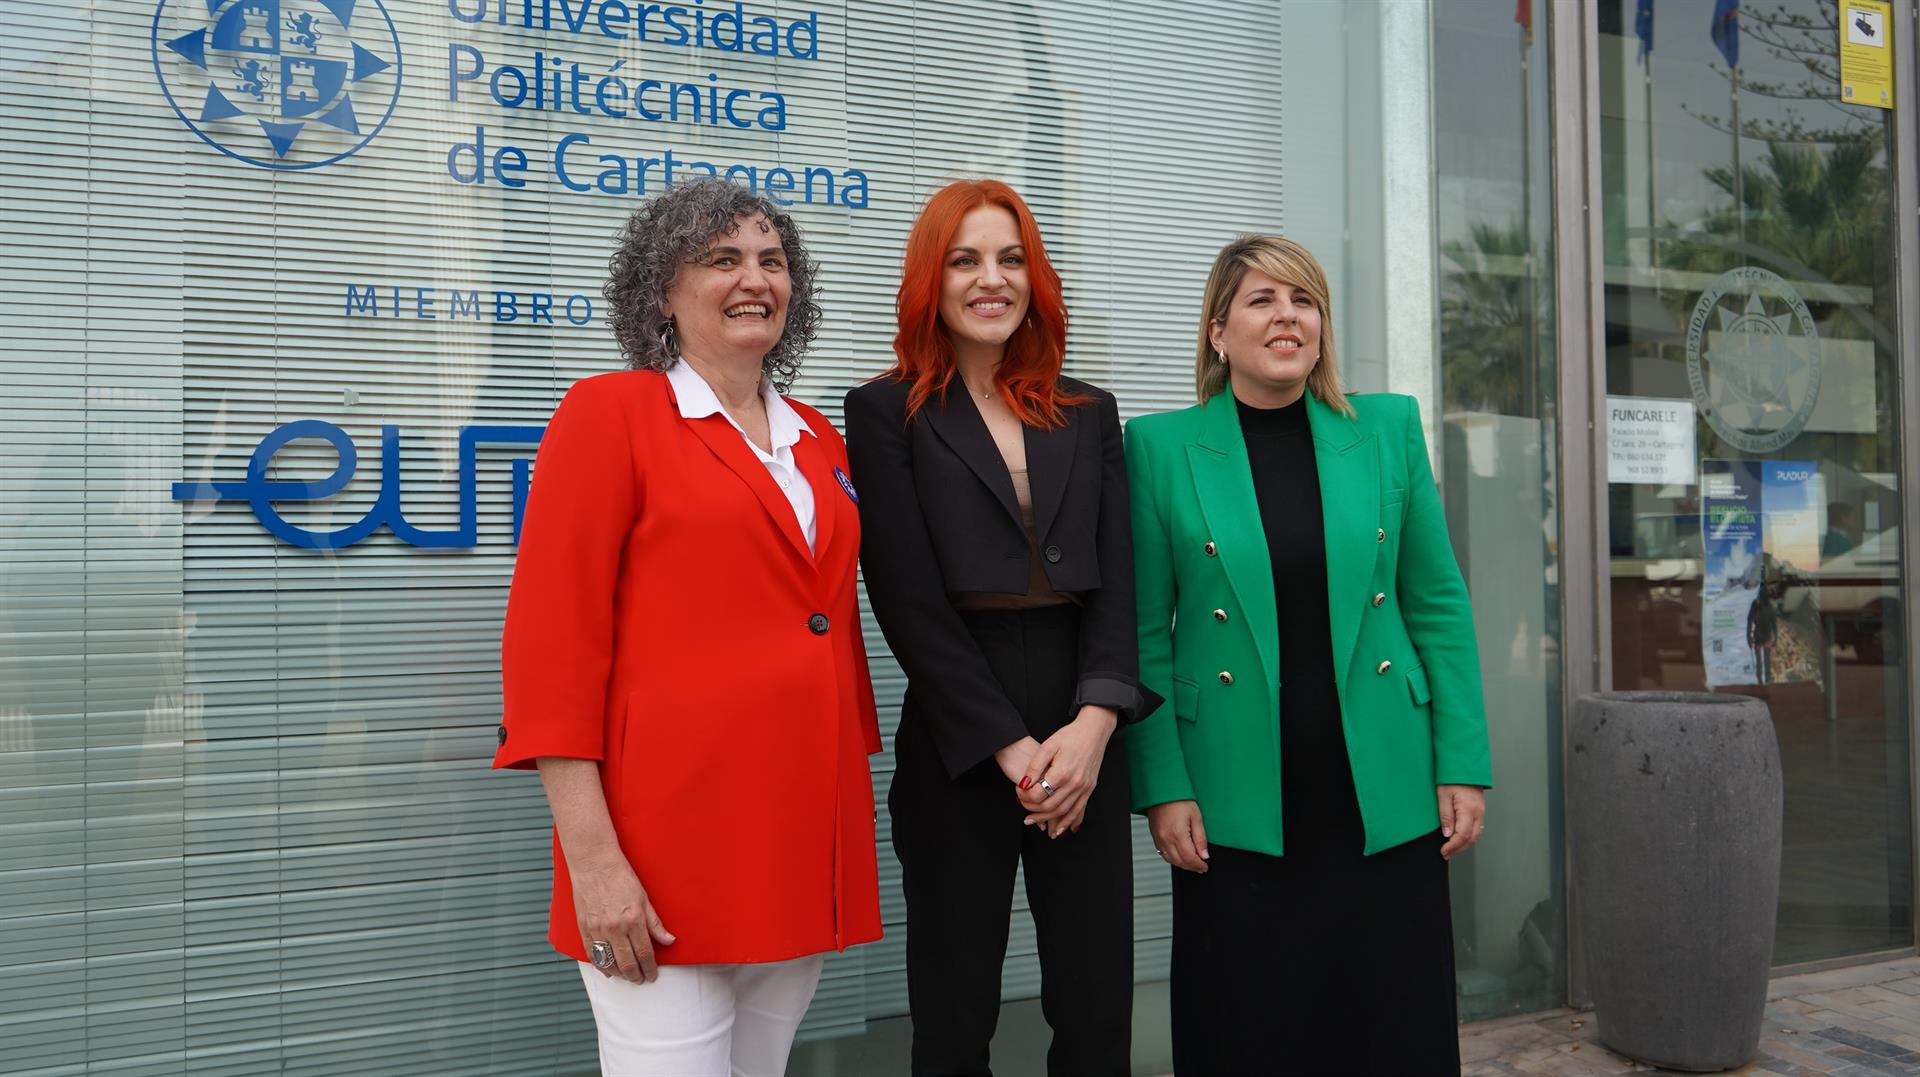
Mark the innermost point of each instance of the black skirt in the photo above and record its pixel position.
(1327, 962)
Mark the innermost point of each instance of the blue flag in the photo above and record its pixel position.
(1643, 26)
(1726, 30)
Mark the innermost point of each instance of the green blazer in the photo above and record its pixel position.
(1405, 662)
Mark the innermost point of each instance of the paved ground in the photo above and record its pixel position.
(1862, 1021)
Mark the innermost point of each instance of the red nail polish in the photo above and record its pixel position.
(1025, 782)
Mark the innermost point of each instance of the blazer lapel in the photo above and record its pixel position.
(1049, 465)
(1349, 467)
(727, 444)
(830, 499)
(958, 423)
(1223, 481)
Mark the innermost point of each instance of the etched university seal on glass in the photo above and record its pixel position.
(1753, 359)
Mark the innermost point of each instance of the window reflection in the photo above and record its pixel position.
(1750, 280)
(1496, 377)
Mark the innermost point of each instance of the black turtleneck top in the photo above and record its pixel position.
(1319, 811)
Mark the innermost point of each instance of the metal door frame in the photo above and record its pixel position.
(1906, 172)
(1585, 617)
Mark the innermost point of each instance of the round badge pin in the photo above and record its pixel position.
(846, 484)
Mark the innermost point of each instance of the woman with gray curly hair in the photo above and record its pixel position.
(682, 658)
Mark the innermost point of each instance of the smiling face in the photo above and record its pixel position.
(984, 288)
(729, 305)
(1271, 338)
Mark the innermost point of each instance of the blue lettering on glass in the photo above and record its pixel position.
(259, 492)
(422, 302)
(723, 28)
(553, 83)
(619, 175)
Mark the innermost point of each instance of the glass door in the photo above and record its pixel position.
(1497, 418)
(1753, 423)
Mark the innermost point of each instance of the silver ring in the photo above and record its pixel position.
(602, 955)
(1046, 787)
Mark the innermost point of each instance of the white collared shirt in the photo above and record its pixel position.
(784, 425)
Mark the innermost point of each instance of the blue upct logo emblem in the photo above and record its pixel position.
(259, 493)
(287, 84)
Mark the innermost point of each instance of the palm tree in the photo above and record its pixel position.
(1821, 208)
(1485, 295)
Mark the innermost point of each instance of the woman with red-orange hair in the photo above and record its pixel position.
(999, 563)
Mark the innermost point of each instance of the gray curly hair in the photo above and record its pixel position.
(676, 227)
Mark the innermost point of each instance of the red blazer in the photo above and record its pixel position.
(667, 619)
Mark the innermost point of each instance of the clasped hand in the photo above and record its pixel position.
(1069, 762)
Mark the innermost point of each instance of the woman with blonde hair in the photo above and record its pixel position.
(1326, 751)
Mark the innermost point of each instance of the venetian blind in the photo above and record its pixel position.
(248, 821)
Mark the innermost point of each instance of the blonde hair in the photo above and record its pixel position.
(1283, 260)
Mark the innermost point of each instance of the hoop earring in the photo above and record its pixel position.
(1220, 357)
(668, 339)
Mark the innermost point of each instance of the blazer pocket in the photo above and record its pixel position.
(1186, 699)
(1417, 686)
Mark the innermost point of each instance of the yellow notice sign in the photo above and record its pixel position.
(1866, 53)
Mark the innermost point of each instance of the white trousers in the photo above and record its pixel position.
(702, 1020)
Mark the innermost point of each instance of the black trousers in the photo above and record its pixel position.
(959, 841)
(1320, 964)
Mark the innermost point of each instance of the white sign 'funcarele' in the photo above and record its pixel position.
(1650, 441)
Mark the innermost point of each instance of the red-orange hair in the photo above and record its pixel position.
(1028, 376)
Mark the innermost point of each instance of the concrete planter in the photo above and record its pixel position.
(1673, 815)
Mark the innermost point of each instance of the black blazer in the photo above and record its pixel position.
(938, 515)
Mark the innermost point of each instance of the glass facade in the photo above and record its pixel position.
(1752, 365)
(299, 282)
(1497, 372)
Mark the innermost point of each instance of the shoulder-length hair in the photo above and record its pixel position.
(676, 227)
(1283, 260)
(1029, 374)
